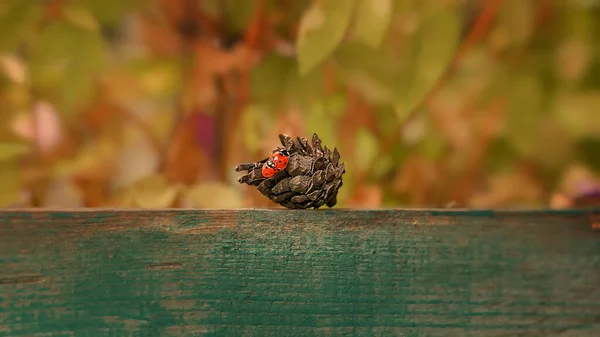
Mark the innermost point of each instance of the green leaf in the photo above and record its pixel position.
(422, 135)
(401, 113)
(498, 83)
(336, 105)
(158, 77)
(589, 148)
(108, 12)
(9, 182)
(254, 122)
(385, 165)
(373, 18)
(11, 150)
(65, 59)
(302, 90)
(269, 78)
(591, 78)
(345, 194)
(239, 14)
(322, 118)
(321, 30)
(524, 114)
(578, 22)
(554, 147)
(276, 80)
(578, 112)
(518, 18)
(574, 48)
(367, 149)
(434, 48)
(373, 73)
(501, 156)
(318, 122)
(18, 18)
(432, 146)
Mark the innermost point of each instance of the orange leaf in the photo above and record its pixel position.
(185, 160)
(366, 196)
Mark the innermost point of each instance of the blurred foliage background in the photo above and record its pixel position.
(432, 103)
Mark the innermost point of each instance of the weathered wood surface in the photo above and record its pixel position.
(299, 273)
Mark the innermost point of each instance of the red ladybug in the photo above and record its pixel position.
(276, 163)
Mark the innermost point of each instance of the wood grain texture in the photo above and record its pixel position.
(299, 273)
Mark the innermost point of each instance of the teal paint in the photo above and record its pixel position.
(100, 217)
(62, 215)
(300, 273)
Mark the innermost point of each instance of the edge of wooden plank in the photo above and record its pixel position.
(433, 211)
(205, 220)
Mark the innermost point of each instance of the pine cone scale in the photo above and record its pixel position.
(319, 178)
(282, 187)
(335, 158)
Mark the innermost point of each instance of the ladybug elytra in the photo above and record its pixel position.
(276, 163)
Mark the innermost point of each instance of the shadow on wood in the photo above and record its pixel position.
(299, 273)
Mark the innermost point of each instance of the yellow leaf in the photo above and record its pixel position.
(214, 195)
(251, 124)
(9, 182)
(372, 21)
(518, 18)
(367, 149)
(93, 160)
(578, 112)
(155, 192)
(313, 19)
(62, 193)
(524, 114)
(12, 149)
(137, 159)
(81, 17)
(14, 68)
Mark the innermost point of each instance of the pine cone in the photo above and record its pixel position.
(311, 178)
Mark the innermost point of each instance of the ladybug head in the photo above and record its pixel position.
(283, 151)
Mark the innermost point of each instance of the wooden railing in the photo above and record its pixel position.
(299, 273)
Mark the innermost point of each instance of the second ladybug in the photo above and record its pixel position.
(276, 163)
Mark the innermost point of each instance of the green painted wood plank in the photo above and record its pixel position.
(299, 273)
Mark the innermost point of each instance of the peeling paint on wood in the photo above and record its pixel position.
(299, 273)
